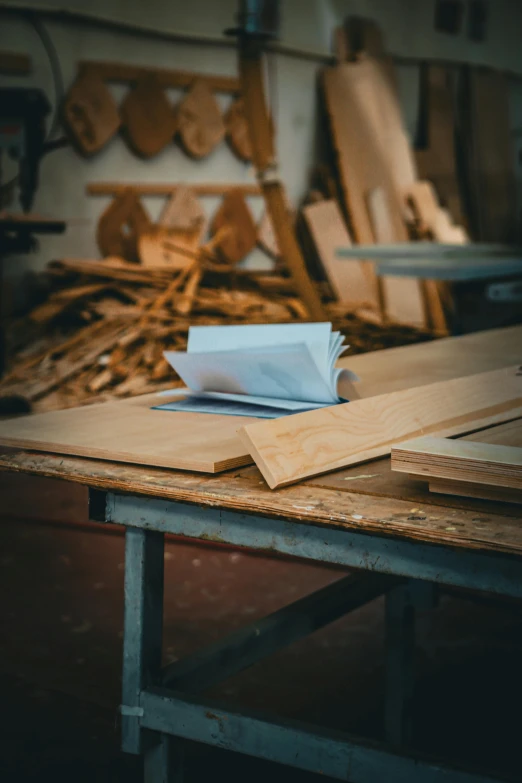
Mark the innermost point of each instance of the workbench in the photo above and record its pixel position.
(402, 542)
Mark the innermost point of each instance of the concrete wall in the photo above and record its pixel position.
(306, 33)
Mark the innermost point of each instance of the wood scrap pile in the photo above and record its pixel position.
(104, 325)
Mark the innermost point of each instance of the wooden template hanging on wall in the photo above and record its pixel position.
(234, 213)
(200, 124)
(121, 225)
(182, 210)
(238, 135)
(90, 113)
(148, 118)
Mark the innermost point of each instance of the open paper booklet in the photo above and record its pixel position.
(266, 370)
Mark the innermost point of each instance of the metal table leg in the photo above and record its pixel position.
(142, 643)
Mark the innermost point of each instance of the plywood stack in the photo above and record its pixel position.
(486, 464)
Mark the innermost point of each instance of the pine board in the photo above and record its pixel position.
(351, 281)
(129, 431)
(473, 461)
(308, 444)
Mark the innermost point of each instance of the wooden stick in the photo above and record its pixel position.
(124, 72)
(167, 189)
(263, 156)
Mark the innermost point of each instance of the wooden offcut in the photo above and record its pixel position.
(148, 118)
(308, 444)
(470, 461)
(130, 431)
(182, 211)
(351, 281)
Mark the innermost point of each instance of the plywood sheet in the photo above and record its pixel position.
(351, 281)
(308, 444)
(129, 431)
(361, 162)
(410, 366)
(467, 460)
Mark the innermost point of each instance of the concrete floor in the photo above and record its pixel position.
(61, 601)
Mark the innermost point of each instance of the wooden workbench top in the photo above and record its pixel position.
(368, 498)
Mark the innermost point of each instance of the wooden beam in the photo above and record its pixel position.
(307, 444)
(169, 189)
(264, 159)
(125, 72)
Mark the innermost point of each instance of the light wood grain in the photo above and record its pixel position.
(473, 461)
(308, 444)
(130, 431)
(351, 281)
(235, 215)
(409, 366)
(182, 210)
(403, 297)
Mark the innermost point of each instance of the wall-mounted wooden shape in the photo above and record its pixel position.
(182, 211)
(148, 118)
(238, 135)
(200, 124)
(121, 225)
(234, 213)
(90, 113)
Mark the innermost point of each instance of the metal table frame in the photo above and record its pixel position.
(161, 707)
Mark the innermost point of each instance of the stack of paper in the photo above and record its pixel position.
(266, 370)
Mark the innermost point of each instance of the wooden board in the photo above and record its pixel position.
(308, 444)
(201, 126)
(361, 163)
(410, 366)
(168, 188)
(238, 135)
(480, 491)
(233, 213)
(351, 281)
(148, 118)
(437, 161)
(90, 113)
(402, 298)
(473, 461)
(120, 226)
(491, 161)
(129, 431)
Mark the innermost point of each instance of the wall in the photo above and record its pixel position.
(305, 42)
